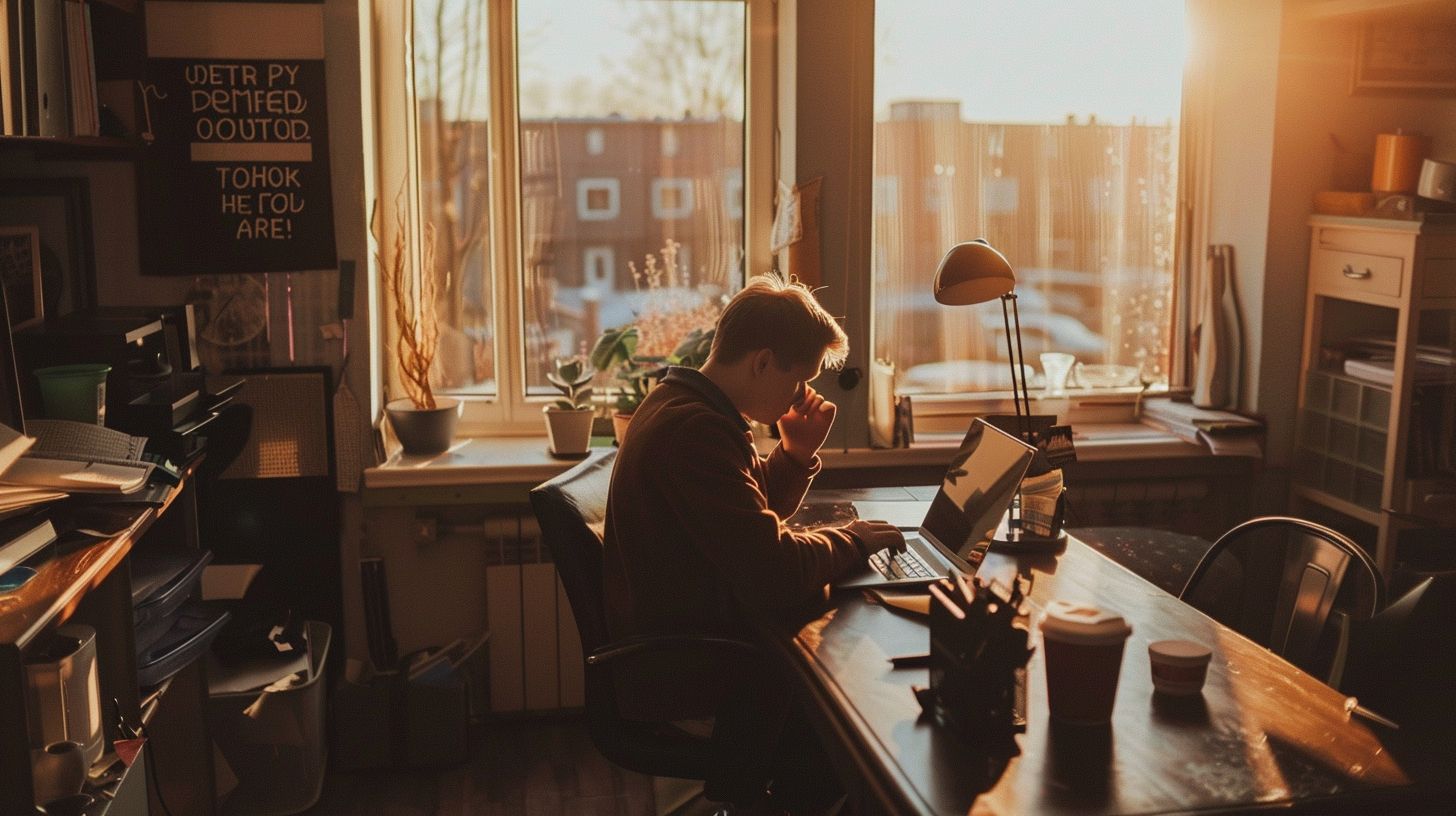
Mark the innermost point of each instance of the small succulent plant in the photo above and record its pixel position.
(572, 377)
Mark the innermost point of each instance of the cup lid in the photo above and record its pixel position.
(1179, 652)
(1083, 623)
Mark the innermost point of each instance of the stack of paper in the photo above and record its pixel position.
(1222, 432)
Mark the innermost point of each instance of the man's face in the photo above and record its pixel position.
(778, 389)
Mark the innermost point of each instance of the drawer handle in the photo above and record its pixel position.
(1349, 272)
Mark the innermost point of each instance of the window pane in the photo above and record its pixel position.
(1051, 130)
(631, 171)
(452, 92)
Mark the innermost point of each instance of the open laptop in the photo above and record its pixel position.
(957, 529)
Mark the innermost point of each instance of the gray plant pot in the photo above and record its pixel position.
(422, 431)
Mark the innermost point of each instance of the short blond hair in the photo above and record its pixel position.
(783, 317)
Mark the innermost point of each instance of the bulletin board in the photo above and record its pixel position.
(233, 116)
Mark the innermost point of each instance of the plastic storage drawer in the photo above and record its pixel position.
(160, 584)
(195, 626)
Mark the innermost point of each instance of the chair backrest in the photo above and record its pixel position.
(571, 510)
(1277, 579)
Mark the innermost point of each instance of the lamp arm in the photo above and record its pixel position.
(1021, 362)
(1011, 356)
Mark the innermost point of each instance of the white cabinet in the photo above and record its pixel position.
(1376, 441)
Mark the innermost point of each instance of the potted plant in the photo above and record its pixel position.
(616, 351)
(423, 422)
(569, 418)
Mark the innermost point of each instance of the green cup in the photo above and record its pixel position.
(76, 392)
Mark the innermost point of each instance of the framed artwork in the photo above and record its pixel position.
(20, 274)
(59, 209)
(1406, 55)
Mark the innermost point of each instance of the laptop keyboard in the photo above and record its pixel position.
(899, 565)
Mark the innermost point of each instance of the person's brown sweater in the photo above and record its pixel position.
(694, 527)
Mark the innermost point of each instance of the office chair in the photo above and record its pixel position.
(571, 510)
(1277, 580)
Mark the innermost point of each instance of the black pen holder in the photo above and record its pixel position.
(978, 648)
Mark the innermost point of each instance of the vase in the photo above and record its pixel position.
(620, 421)
(568, 430)
(424, 431)
(57, 770)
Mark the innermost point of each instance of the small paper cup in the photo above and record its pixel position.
(1179, 666)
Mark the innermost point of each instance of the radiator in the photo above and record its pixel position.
(535, 649)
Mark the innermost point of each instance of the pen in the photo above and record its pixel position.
(910, 661)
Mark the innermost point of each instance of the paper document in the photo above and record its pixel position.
(12, 445)
(75, 476)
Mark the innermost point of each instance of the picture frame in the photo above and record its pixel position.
(20, 275)
(1405, 55)
(60, 210)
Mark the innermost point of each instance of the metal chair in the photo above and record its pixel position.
(1290, 585)
(1402, 661)
(571, 510)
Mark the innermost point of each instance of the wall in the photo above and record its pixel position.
(1315, 117)
(120, 282)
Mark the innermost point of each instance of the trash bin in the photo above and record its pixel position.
(274, 739)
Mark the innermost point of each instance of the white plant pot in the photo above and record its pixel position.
(568, 430)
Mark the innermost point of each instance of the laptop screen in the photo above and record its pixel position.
(976, 491)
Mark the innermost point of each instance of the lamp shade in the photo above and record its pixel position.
(972, 272)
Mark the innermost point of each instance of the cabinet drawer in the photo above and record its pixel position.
(1356, 273)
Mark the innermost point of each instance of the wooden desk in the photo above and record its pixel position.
(1263, 734)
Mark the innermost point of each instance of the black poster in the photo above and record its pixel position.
(234, 120)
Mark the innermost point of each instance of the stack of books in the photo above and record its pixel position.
(64, 458)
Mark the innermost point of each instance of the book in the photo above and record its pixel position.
(84, 441)
(23, 538)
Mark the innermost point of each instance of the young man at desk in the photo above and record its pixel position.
(695, 533)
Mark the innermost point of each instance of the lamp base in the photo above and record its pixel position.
(1010, 536)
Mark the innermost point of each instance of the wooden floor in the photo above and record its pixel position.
(546, 767)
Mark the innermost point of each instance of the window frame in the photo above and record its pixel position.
(774, 146)
(1190, 230)
(510, 412)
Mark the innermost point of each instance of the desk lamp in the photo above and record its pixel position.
(974, 272)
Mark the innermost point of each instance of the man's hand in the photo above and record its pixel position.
(805, 427)
(874, 536)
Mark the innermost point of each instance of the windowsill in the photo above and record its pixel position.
(524, 460)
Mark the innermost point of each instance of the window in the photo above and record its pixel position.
(452, 156)
(672, 198)
(664, 81)
(566, 153)
(567, 171)
(596, 265)
(1051, 130)
(598, 199)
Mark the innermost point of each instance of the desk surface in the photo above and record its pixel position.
(1263, 733)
